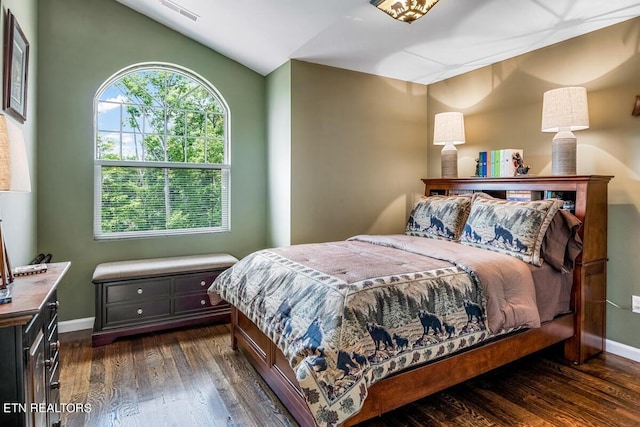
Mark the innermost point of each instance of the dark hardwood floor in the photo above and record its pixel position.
(192, 377)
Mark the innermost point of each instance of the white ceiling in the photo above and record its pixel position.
(456, 36)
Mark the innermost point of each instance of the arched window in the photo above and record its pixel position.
(162, 163)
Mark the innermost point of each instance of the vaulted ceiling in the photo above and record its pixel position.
(456, 36)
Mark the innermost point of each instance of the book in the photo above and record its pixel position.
(521, 195)
(482, 160)
(30, 269)
(494, 162)
(459, 192)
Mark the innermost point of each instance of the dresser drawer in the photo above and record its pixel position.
(54, 394)
(194, 282)
(138, 312)
(137, 290)
(52, 328)
(52, 358)
(191, 303)
(54, 376)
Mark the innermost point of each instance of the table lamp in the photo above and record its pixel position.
(448, 130)
(14, 177)
(563, 111)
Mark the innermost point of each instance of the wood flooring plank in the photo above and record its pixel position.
(589, 394)
(233, 372)
(217, 381)
(144, 390)
(170, 398)
(206, 407)
(499, 409)
(122, 395)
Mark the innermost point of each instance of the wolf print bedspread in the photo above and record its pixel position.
(347, 314)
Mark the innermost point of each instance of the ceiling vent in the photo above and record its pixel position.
(181, 10)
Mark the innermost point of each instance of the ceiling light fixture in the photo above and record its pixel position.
(404, 10)
(181, 10)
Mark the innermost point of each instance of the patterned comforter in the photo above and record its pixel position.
(347, 314)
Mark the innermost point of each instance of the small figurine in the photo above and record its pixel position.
(521, 169)
(477, 167)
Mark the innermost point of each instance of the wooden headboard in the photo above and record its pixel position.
(589, 196)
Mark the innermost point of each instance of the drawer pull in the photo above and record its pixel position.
(203, 283)
(139, 311)
(53, 305)
(48, 363)
(55, 346)
(140, 291)
(55, 385)
(203, 302)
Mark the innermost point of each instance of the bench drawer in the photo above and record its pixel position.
(192, 303)
(138, 312)
(138, 290)
(194, 282)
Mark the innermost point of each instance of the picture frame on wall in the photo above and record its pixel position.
(16, 69)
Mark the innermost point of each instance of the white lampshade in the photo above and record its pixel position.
(14, 168)
(565, 109)
(14, 176)
(448, 129)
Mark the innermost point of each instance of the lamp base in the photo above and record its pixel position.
(449, 161)
(563, 154)
(5, 266)
(5, 296)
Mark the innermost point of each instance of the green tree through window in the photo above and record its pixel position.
(162, 154)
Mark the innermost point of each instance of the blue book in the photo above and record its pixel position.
(483, 163)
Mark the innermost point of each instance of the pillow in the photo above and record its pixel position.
(562, 244)
(511, 227)
(439, 217)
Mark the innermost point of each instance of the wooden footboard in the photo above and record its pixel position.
(404, 387)
(271, 364)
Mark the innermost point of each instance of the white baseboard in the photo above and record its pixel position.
(75, 325)
(622, 350)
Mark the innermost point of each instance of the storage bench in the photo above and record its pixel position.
(149, 295)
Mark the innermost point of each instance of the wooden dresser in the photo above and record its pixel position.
(29, 360)
(586, 198)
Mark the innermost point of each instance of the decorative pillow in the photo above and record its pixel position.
(439, 217)
(562, 244)
(511, 227)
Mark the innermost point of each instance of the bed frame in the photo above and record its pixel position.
(582, 331)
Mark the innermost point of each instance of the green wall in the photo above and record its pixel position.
(279, 142)
(18, 210)
(81, 44)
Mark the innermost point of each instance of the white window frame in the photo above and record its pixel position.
(224, 167)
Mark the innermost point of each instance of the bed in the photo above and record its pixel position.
(344, 331)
